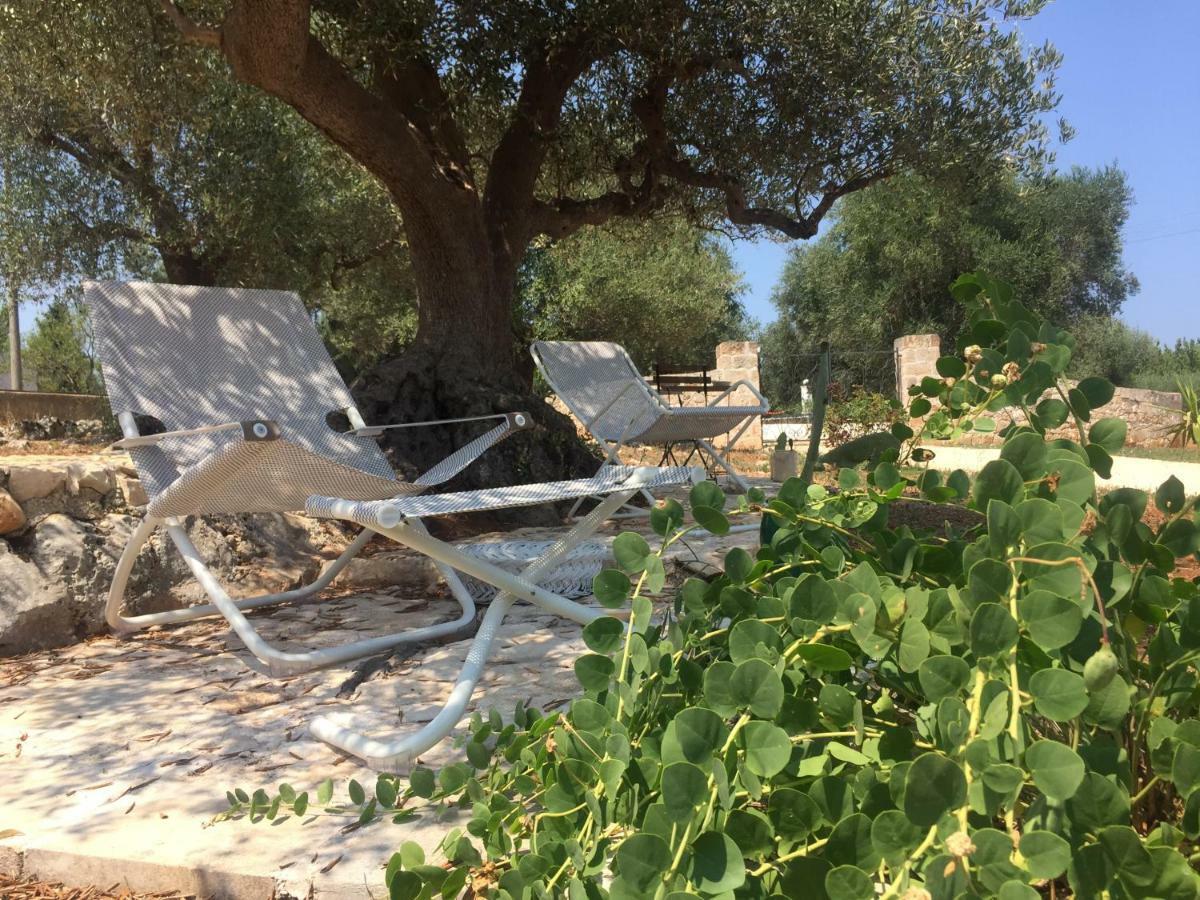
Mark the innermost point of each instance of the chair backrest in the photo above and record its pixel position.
(588, 375)
(197, 356)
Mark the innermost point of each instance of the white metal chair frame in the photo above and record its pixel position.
(390, 518)
(612, 447)
(282, 663)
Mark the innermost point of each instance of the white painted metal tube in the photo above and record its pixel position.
(201, 610)
(282, 663)
(395, 755)
(385, 755)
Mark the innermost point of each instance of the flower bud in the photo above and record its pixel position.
(999, 381)
(973, 354)
(1011, 371)
(960, 844)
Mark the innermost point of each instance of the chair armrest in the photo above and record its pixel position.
(516, 422)
(252, 430)
(763, 402)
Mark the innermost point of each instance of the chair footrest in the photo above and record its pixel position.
(390, 513)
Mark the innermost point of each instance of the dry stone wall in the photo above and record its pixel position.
(1150, 414)
(64, 521)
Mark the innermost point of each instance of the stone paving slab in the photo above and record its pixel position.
(115, 754)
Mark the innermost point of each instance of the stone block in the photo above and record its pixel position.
(33, 482)
(12, 517)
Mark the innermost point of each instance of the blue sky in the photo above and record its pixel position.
(1130, 85)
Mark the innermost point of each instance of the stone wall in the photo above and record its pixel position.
(65, 520)
(916, 357)
(1150, 414)
(19, 406)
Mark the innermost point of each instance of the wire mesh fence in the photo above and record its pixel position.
(789, 379)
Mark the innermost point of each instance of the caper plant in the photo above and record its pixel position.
(857, 711)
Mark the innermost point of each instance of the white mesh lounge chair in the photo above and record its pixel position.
(244, 384)
(602, 387)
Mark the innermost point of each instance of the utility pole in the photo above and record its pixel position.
(14, 339)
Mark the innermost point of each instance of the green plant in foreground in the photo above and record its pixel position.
(858, 711)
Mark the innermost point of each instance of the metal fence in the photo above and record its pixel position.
(789, 379)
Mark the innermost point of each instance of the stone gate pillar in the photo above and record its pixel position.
(916, 357)
(738, 361)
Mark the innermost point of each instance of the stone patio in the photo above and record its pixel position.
(115, 754)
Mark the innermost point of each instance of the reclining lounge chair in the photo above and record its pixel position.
(244, 385)
(601, 386)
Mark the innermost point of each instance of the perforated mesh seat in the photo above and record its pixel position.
(193, 357)
(588, 375)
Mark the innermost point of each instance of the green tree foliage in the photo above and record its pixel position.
(493, 124)
(1130, 357)
(667, 292)
(58, 350)
(881, 271)
(1003, 708)
(143, 157)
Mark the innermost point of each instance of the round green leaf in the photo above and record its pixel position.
(1052, 621)
(684, 787)
(1109, 434)
(604, 635)
(1057, 770)
(642, 860)
(914, 645)
(711, 519)
(933, 786)
(1097, 803)
(768, 748)
(824, 656)
(631, 551)
(708, 494)
(716, 864)
(793, 813)
(1046, 854)
(943, 676)
(1097, 391)
(611, 587)
(756, 686)
(1015, 890)
(1058, 694)
(718, 690)
(1129, 857)
(849, 883)
(594, 671)
(698, 733)
(751, 831)
(754, 639)
(1027, 453)
(993, 630)
(999, 480)
(894, 836)
(1052, 412)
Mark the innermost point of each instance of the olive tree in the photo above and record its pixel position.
(491, 124)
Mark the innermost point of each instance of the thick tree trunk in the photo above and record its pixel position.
(186, 268)
(465, 362)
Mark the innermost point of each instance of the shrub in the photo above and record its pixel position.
(855, 710)
(856, 411)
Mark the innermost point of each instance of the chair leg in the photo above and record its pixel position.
(733, 474)
(126, 624)
(279, 663)
(393, 755)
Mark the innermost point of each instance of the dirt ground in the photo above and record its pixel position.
(23, 889)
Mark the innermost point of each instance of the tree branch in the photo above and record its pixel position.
(191, 32)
